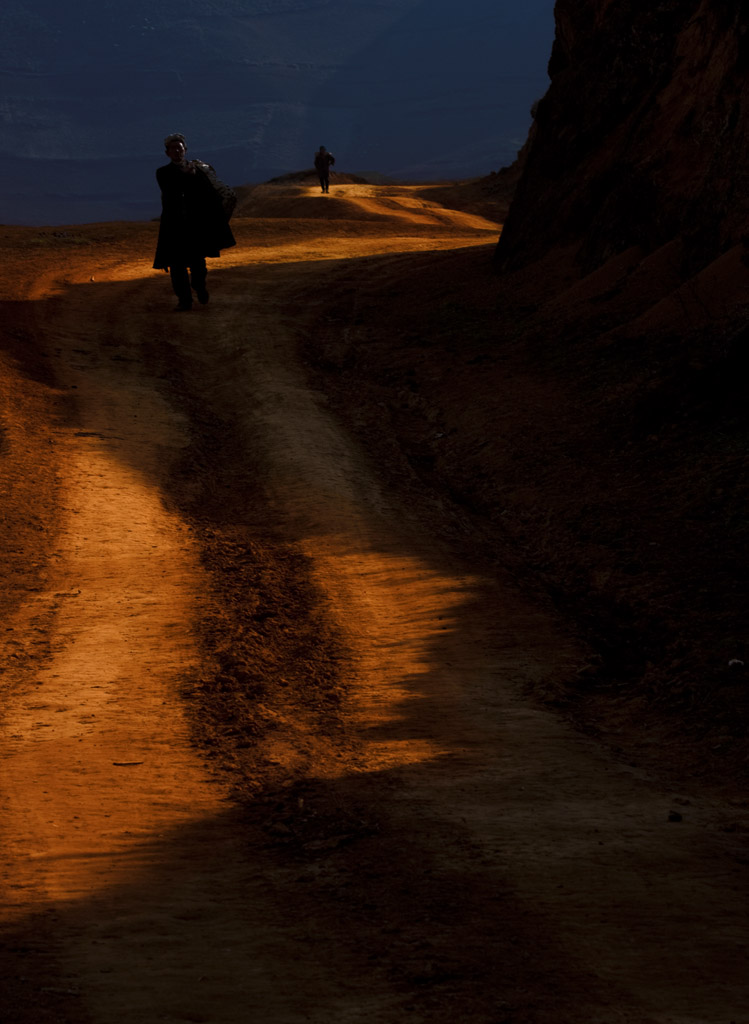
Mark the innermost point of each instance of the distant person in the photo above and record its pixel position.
(323, 162)
(194, 221)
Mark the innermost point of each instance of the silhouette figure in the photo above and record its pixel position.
(323, 162)
(194, 221)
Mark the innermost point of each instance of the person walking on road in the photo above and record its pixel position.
(194, 222)
(323, 162)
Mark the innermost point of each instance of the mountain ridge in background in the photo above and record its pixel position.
(405, 88)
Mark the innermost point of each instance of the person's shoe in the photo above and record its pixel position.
(203, 296)
(183, 307)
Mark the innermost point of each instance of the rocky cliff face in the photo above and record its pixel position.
(643, 136)
(623, 297)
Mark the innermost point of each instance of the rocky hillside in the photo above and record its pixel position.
(623, 297)
(643, 136)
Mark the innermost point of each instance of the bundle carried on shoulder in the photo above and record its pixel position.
(226, 194)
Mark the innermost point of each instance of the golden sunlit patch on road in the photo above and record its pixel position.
(90, 779)
(394, 612)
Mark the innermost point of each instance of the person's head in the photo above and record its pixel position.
(322, 149)
(175, 147)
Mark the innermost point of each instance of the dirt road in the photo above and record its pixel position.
(269, 752)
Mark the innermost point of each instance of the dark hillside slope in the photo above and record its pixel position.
(638, 173)
(627, 238)
(643, 136)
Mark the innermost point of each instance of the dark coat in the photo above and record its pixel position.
(193, 221)
(323, 161)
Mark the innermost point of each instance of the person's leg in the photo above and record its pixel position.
(181, 286)
(322, 182)
(198, 274)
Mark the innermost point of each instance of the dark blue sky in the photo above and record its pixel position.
(421, 89)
